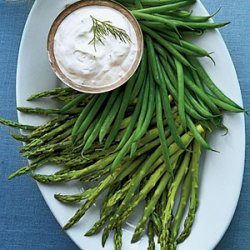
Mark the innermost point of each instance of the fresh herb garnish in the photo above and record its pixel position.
(101, 29)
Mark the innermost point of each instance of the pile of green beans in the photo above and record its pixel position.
(141, 142)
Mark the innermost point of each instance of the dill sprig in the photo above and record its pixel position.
(101, 29)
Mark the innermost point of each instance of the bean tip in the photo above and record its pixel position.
(215, 13)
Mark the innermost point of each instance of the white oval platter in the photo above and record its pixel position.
(222, 173)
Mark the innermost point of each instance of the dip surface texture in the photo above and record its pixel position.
(99, 65)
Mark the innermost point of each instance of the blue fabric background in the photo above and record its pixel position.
(25, 220)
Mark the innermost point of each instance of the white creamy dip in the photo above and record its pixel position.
(80, 61)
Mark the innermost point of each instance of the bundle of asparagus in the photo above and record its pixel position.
(141, 142)
(142, 176)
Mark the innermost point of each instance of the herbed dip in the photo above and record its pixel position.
(98, 63)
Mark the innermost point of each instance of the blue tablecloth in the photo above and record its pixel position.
(25, 220)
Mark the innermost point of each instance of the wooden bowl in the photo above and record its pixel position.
(68, 11)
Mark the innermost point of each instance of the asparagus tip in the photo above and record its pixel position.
(134, 239)
(89, 233)
(12, 176)
(104, 239)
(66, 226)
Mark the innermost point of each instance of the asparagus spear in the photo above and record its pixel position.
(53, 92)
(41, 111)
(150, 233)
(118, 237)
(167, 213)
(100, 188)
(20, 137)
(194, 199)
(185, 191)
(45, 128)
(16, 124)
(39, 141)
(75, 174)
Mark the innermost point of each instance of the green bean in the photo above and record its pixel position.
(73, 103)
(184, 50)
(81, 138)
(173, 91)
(133, 121)
(142, 115)
(186, 47)
(138, 4)
(161, 51)
(188, 107)
(167, 109)
(150, 110)
(82, 116)
(141, 76)
(110, 117)
(196, 78)
(197, 135)
(210, 84)
(191, 33)
(170, 120)
(161, 23)
(194, 99)
(125, 102)
(186, 18)
(152, 60)
(197, 106)
(181, 88)
(196, 49)
(225, 106)
(160, 127)
(91, 138)
(151, 2)
(193, 87)
(200, 25)
(122, 152)
(91, 115)
(202, 95)
(163, 8)
(166, 45)
(157, 26)
(163, 90)
(143, 16)
(179, 13)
